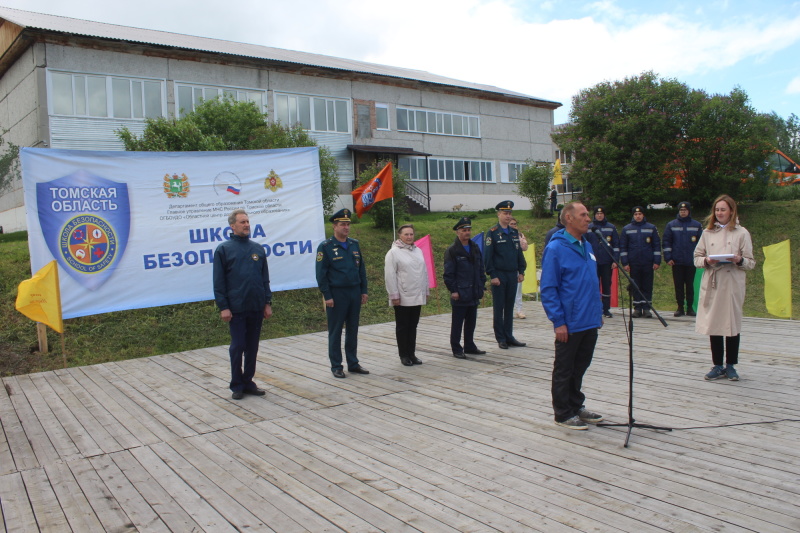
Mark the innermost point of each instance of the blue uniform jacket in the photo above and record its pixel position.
(241, 276)
(680, 238)
(463, 273)
(340, 268)
(640, 244)
(502, 252)
(551, 232)
(570, 294)
(610, 235)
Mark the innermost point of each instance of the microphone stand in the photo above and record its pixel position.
(632, 289)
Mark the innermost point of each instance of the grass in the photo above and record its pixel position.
(175, 328)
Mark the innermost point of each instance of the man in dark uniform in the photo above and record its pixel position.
(551, 232)
(465, 279)
(505, 266)
(244, 299)
(640, 253)
(342, 278)
(680, 239)
(605, 263)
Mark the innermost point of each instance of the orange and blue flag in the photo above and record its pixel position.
(378, 188)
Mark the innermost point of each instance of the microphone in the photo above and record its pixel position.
(600, 237)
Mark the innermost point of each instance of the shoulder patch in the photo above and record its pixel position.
(320, 255)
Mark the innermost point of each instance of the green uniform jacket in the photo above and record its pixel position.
(340, 268)
(502, 252)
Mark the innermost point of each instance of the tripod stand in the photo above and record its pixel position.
(633, 289)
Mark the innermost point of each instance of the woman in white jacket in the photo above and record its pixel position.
(407, 285)
(725, 251)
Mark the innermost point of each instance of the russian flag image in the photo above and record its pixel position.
(233, 189)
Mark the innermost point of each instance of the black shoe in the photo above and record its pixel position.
(475, 352)
(679, 312)
(338, 373)
(515, 342)
(608, 314)
(503, 345)
(459, 355)
(358, 370)
(415, 360)
(647, 314)
(690, 313)
(637, 313)
(237, 395)
(406, 361)
(255, 392)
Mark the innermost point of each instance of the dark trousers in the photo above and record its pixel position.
(683, 279)
(465, 316)
(604, 274)
(572, 359)
(643, 276)
(245, 331)
(503, 297)
(345, 312)
(406, 319)
(729, 348)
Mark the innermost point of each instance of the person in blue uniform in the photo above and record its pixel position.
(572, 303)
(640, 254)
(552, 231)
(342, 279)
(505, 266)
(464, 277)
(680, 239)
(244, 300)
(605, 263)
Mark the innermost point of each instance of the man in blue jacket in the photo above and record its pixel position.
(572, 303)
(605, 262)
(465, 279)
(640, 254)
(244, 299)
(680, 239)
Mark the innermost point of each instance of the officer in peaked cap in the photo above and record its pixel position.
(342, 279)
(680, 239)
(505, 266)
(605, 262)
(640, 254)
(463, 223)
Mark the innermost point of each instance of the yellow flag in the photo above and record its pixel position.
(778, 279)
(39, 298)
(557, 173)
(530, 284)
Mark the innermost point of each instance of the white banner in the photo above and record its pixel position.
(139, 229)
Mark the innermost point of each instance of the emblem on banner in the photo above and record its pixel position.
(273, 182)
(176, 186)
(85, 222)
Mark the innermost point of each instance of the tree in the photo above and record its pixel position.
(533, 182)
(381, 212)
(631, 139)
(786, 134)
(9, 164)
(225, 124)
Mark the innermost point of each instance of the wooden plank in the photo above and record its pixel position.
(106, 508)
(17, 512)
(46, 509)
(34, 433)
(73, 502)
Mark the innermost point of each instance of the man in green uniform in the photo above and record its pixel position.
(342, 278)
(505, 266)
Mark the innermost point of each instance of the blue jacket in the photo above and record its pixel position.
(463, 273)
(241, 276)
(640, 244)
(569, 289)
(611, 236)
(680, 238)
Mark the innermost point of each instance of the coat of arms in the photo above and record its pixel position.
(176, 186)
(273, 181)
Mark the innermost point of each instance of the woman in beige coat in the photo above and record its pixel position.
(725, 251)
(406, 279)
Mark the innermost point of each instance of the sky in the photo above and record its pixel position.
(548, 49)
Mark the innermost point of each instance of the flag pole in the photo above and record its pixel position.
(394, 228)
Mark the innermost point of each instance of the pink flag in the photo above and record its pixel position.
(425, 245)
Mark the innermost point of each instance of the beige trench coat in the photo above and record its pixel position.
(406, 275)
(719, 310)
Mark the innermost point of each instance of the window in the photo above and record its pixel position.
(105, 96)
(417, 120)
(565, 157)
(313, 112)
(447, 169)
(188, 97)
(382, 116)
(510, 171)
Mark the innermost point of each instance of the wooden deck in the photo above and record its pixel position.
(157, 444)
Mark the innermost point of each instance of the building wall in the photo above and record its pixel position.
(509, 132)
